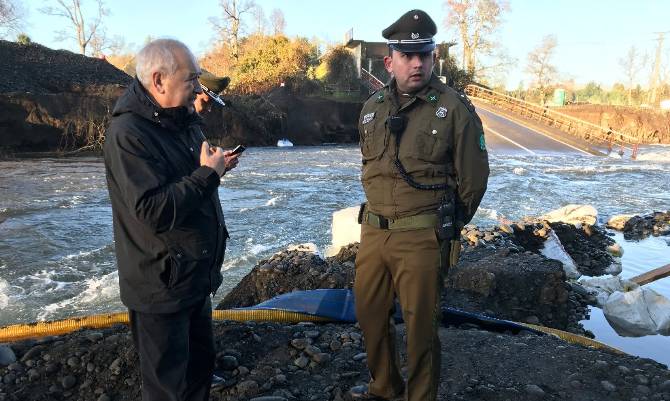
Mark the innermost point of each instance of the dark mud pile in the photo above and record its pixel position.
(37, 69)
(54, 100)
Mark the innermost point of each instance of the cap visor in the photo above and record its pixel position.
(413, 48)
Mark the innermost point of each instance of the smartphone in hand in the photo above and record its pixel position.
(238, 149)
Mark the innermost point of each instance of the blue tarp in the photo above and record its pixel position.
(338, 305)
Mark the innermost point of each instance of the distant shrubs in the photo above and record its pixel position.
(23, 39)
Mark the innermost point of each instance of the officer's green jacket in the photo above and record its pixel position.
(443, 142)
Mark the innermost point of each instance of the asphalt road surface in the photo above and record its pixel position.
(508, 133)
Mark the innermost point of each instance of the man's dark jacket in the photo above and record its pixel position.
(169, 231)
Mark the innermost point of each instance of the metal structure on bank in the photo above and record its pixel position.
(579, 128)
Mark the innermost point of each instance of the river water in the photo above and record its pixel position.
(56, 247)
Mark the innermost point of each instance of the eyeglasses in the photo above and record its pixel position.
(212, 95)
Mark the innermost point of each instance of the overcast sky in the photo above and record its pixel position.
(592, 34)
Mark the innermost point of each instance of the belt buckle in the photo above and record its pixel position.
(383, 223)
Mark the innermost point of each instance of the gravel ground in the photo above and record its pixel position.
(321, 362)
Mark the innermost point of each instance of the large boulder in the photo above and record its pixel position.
(523, 287)
(618, 222)
(288, 271)
(573, 214)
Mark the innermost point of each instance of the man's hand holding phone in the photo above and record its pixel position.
(216, 158)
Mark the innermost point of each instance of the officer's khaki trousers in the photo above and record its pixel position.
(405, 264)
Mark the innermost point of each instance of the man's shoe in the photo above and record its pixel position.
(361, 393)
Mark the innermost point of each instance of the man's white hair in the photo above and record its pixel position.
(158, 56)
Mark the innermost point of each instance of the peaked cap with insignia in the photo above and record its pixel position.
(212, 82)
(411, 33)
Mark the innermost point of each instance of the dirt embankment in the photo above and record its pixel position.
(649, 126)
(54, 99)
(59, 101)
(263, 120)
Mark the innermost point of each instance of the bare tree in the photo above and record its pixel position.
(84, 32)
(665, 68)
(539, 64)
(231, 26)
(101, 44)
(631, 64)
(278, 22)
(11, 17)
(476, 21)
(259, 20)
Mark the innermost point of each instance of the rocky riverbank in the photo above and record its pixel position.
(504, 272)
(637, 227)
(277, 362)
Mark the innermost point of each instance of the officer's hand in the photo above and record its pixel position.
(231, 159)
(213, 156)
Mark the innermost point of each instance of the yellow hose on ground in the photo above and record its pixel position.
(19, 332)
(574, 338)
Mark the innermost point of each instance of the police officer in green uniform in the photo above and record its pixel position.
(212, 87)
(425, 170)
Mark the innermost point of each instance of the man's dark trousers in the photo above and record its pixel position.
(176, 353)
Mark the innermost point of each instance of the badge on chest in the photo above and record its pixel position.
(368, 117)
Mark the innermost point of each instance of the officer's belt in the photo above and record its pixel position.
(404, 223)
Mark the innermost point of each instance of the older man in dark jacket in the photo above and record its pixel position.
(169, 231)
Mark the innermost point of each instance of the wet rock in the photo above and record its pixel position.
(534, 391)
(639, 227)
(300, 343)
(9, 378)
(301, 362)
(618, 222)
(6, 355)
(229, 362)
(68, 382)
(247, 388)
(115, 366)
(73, 362)
(33, 374)
(615, 250)
(608, 386)
(312, 334)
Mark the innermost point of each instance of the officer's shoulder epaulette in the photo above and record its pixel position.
(466, 101)
(461, 96)
(375, 98)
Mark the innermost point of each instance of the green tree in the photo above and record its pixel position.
(338, 68)
(268, 61)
